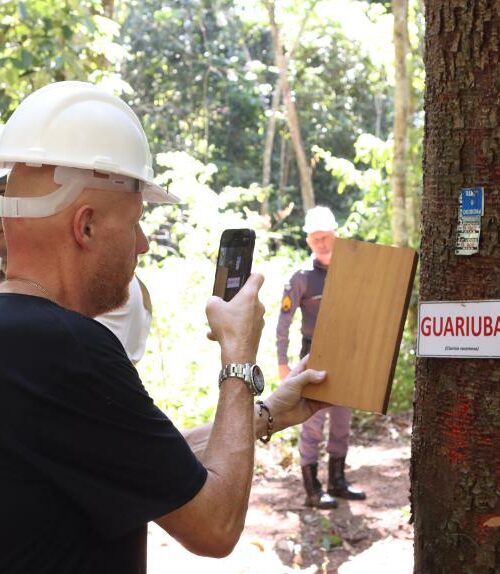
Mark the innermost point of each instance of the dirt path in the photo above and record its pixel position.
(281, 536)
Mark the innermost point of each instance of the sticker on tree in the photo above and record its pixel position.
(470, 211)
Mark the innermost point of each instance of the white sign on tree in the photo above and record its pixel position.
(466, 329)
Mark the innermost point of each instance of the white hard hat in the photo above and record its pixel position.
(319, 218)
(77, 124)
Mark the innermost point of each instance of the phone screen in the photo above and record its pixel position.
(234, 262)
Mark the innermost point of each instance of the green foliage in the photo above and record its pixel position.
(207, 89)
(329, 537)
(404, 377)
(369, 217)
(195, 225)
(194, 92)
(42, 41)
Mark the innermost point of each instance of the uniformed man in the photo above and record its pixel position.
(304, 290)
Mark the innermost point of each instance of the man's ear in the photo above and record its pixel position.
(84, 226)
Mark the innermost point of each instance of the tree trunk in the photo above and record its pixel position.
(284, 167)
(401, 95)
(456, 436)
(268, 145)
(270, 131)
(303, 164)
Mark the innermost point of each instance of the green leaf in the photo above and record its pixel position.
(330, 541)
(67, 32)
(25, 61)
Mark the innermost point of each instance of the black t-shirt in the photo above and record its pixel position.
(86, 459)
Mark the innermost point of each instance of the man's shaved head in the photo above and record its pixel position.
(27, 181)
(90, 246)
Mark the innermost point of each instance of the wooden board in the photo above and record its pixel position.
(360, 323)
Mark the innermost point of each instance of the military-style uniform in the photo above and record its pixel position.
(304, 290)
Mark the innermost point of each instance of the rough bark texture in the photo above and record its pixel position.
(303, 164)
(456, 435)
(401, 95)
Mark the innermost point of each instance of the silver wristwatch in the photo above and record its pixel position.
(249, 373)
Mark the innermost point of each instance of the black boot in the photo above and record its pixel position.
(337, 483)
(315, 497)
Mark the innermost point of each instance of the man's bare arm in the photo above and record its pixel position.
(211, 523)
(213, 444)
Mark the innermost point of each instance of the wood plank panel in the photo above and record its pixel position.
(360, 323)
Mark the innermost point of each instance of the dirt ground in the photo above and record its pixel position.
(281, 536)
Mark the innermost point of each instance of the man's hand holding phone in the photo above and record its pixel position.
(235, 315)
(237, 324)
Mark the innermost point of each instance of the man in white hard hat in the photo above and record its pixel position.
(304, 290)
(86, 458)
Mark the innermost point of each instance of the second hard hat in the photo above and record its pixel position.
(319, 218)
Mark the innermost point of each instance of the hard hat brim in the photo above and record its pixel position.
(153, 193)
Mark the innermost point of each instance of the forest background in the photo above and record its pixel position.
(254, 112)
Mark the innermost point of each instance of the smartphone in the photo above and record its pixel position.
(234, 262)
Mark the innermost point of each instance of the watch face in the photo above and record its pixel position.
(258, 379)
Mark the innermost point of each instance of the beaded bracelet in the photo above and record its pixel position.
(269, 432)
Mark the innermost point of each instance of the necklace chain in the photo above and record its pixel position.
(40, 288)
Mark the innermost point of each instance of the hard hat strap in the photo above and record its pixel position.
(72, 181)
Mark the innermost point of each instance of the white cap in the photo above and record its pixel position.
(77, 124)
(319, 218)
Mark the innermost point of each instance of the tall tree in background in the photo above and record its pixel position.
(456, 433)
(303, 163)
(401, 97)
(269, 142)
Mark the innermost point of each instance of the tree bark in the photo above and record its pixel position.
(268, 145)
(303, 163)
(456, 435)
(401, 96)
(284, 166)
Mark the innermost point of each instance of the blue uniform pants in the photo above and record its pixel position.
(311, 434)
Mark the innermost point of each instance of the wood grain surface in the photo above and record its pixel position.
(360, 323)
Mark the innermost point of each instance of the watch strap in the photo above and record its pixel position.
(241, 371)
